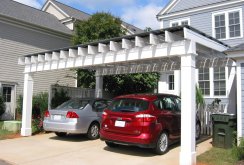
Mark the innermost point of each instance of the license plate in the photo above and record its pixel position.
(56, 117)
(119, 123)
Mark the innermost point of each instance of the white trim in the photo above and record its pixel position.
(179, 21)
(227, 30)
(58, 8)
(169, 7)
(161, 16)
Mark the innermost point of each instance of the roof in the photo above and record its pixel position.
(77, 14)
(236, 48)
(27, 14)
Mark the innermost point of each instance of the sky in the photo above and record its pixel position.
(141, 13)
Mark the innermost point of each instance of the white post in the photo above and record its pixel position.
(188, 110)
(99, 87)
(239, 100)
(27, 105)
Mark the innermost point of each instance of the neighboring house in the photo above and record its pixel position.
(68, 15)
(221, 19)
(26, 30)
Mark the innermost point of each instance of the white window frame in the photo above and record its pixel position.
(227, 30)
(179, 21)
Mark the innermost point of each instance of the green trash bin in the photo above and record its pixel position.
(224, 126)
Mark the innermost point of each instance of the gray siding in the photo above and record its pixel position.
(188, 4)
(203, 22)
(17, 41)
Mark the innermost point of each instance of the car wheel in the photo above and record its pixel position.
(110, 144)
(93, 132)
(198, 130)
(61, 134)
(162, 144)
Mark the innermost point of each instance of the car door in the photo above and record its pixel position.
(168, 116)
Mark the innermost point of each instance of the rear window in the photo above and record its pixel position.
(128, 105)
(73, 104)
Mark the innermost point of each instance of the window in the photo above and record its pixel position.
(219, 82)
(7, 94)
(185, 21)
(203, 80)
(220, 26)
(227, 24)
(171, 82)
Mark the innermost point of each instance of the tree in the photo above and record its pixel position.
(105, 26)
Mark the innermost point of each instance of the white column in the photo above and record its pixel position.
(188, 110)
(162, 83)
(239, 101)
(99, 87)
(177, 76)
(27, 105)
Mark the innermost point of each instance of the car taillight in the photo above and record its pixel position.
(105, 115)
(47, 114)
(146, 118)
(71, 115)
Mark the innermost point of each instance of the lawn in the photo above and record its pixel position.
(217, 156)
(4, 134)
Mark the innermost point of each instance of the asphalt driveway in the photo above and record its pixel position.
(49, 149)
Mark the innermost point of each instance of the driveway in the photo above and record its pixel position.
(49, 149)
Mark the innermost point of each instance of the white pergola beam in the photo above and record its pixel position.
(73, 53)
(92, 49)
(200, 39)
(21, 61)
(55, 56)
(64, 54)
(153, 39)
(171, 37)
(33, 59)
(139, 41)
(48, 57)
(114, 46)
(102, 48)
(41, 58)
(82, 51)
(127, 44)
(27, 60)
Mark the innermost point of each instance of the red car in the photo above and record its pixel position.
(144, 120)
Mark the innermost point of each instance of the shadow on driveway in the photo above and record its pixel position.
(3, 162)
(71, 138)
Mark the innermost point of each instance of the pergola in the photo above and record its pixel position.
(180, 48)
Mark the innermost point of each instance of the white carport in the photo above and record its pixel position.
(179, 48)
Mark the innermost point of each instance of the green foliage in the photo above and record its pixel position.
(131, 83)
(199, 97)
(238, 150)
(2, 105)
(40, 100)
(104, 26)
(98, 27)
(59, 97)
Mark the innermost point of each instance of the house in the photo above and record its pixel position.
(27, 30)
(220, 19)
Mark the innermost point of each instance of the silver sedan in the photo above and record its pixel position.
(76, 116)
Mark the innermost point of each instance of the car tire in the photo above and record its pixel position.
(162, 144)
(110, 144)
(93, 131)
(61, 134)
(198, 130)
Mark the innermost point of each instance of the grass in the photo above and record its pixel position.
(217, 156)
(4, 134)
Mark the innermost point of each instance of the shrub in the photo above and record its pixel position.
(59, 97)
(238, 150)
(2, 105)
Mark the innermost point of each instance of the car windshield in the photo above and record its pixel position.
(73, 104)
(128, 105)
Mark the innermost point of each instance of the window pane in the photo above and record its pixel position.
(184, 23)
(171, 82)
(234, 24)
(219, 81)
(204, 83)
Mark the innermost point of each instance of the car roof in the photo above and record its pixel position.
(148, 96)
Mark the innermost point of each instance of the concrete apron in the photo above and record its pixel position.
(76, 149)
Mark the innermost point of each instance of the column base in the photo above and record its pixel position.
(26, 132)
(188, 158)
